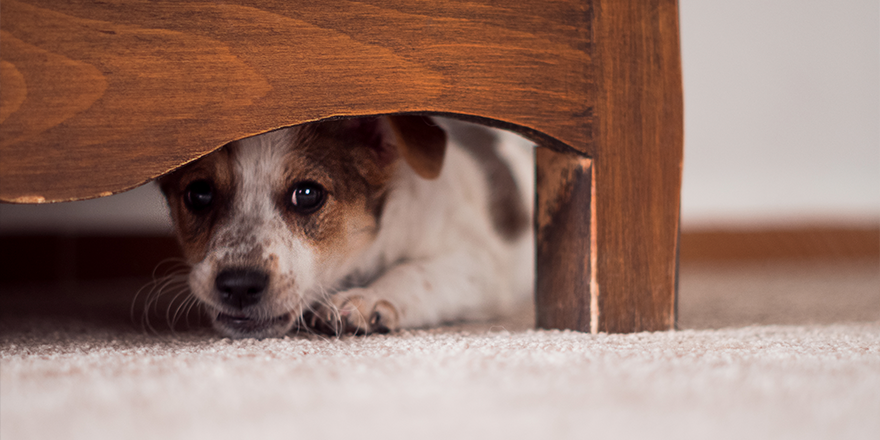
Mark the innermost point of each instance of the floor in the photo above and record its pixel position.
(764, 350)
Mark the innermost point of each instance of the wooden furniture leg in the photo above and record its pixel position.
(565, 289)
(628, 265)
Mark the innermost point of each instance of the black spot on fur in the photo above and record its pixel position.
(509, 214)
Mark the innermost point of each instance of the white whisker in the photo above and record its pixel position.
(172, 282)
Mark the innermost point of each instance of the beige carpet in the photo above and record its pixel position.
(766, 351)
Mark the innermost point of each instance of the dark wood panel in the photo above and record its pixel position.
(565, 289)
(780, 243)
(638, 153)
(55, 258)
(99, 97)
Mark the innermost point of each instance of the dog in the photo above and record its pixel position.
(357, 226)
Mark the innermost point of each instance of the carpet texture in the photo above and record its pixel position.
(766, 351)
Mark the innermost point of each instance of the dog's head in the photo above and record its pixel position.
(269, 222)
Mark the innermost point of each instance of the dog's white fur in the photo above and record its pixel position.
(436, 257)
(452, 263)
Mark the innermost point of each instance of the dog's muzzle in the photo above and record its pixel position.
(241, 290)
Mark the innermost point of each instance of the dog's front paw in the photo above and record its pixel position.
(356, 311)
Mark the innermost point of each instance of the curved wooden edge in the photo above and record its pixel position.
(540, 139)
(533, 134)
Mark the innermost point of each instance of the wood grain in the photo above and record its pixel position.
(99, 97)
(781, 243)
(565, 255)
(10, 77)
(638, 137)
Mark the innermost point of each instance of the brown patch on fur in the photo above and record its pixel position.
(421, 142)
(353, 166)
(509, 214)
(272, 263)
(194, 230)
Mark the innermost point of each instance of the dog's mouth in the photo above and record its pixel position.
(243, 326)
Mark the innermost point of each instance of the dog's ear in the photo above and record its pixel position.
(419, 141)
(416, 139)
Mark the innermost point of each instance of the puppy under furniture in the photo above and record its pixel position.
(146, 87)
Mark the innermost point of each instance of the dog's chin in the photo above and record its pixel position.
(248, 327)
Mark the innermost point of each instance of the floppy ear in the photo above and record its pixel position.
(419, 141)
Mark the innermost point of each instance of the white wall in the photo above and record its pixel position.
(141, 210)
(782, 122)
(782, 110)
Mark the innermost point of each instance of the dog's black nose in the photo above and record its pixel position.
(240, 288)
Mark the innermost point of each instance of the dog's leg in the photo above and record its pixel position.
(419, 293)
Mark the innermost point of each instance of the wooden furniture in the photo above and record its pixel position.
(100, 97)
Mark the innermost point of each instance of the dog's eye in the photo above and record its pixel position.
(307, 197)
(198, 195)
